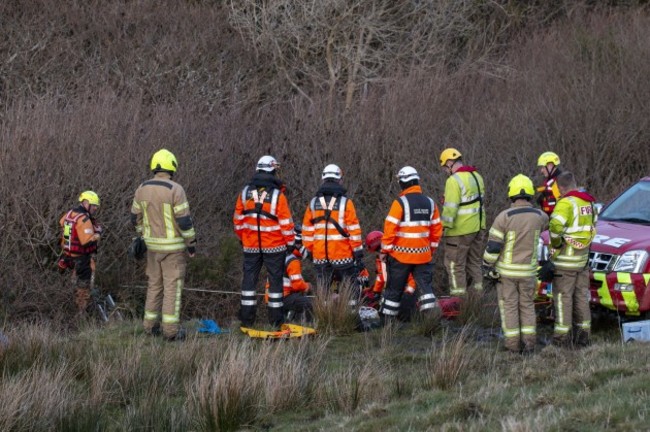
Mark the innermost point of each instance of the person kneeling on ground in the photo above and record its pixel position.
(296, 305)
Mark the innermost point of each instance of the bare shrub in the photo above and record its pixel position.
(341, 47)
(449, 361)
(91, 91)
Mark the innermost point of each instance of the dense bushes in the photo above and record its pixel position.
(89, 91)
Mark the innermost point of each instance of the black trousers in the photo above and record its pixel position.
(398, 274)
(274, 263)
(327, 273)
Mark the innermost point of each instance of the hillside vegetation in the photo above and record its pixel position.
(118, 379)
(89, 90)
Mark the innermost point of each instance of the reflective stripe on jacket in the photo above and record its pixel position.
(331, 230)
(572, 228)
(263, 220)
(549, 194)
(161, 214)
(78, 233)
(463, 211)
(513, 240)
(412, 228)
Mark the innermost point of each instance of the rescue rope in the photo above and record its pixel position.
(202, 290)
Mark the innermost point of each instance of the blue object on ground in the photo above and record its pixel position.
(211, 327)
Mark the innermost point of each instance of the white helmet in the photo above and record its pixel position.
(332, 171)
(407, 174)
(267, 163)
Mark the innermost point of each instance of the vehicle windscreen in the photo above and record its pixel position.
(632, 206)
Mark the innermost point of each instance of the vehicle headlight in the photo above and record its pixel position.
(631, 261)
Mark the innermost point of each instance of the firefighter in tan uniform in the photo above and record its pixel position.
(511, 258)
(572, 229)
(332, 233)
(412, 231)
(81, 234)
(464, 222)
(161, 215)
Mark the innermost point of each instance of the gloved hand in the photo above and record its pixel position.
(98, 229)
(370, 297)
(137, 249)
(546, 273)
(383, 257)
(489, 272)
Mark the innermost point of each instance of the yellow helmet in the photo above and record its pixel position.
(164, 160)
(521, 187)
(449, 154)
(548, 157)
(89, 196)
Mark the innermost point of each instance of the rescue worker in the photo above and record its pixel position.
(297, 306)
(161, 215)
(511, 258)
(412, 231)
(264, 226)
(373, 294)
(81, 234)
(572, 229)
(464, 222)
(332, 233)
(548, 192)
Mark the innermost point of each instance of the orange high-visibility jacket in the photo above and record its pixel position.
(331, 230)
(382, 276)
(412, 228)
(263, 219)
(292, 282)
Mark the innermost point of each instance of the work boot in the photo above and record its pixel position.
(82, 299)
(581, 339)
(529, 343)
(528, 349)
(562, 341)
(179, 336)
(154, 331)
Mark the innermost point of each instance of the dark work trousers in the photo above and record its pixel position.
(274, 263)
(297, 307)
(407, 306)
(327, 273)
(398, 274)
(83, 269)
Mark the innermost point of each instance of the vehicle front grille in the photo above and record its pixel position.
(601, 261)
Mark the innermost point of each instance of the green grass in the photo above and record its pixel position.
(116, 378)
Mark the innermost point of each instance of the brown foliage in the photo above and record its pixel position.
(91, 90)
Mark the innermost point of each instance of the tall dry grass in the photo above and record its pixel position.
(450, 361)
(91, 90)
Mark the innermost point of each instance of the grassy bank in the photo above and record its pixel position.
(116, 378)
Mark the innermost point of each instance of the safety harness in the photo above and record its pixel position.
(327, 217)
(258, 199)
(71, 243)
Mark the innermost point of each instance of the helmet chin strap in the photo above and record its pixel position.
(549, 173)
